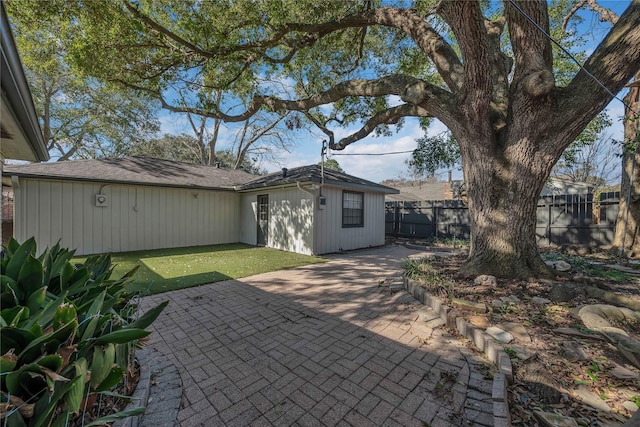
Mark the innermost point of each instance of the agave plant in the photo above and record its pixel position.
(66, 333)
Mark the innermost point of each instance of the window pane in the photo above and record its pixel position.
(352, 209)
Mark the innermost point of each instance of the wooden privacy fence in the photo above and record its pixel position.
(567, 218)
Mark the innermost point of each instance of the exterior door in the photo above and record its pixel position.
(263, 220)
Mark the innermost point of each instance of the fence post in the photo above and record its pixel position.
(396, 219)
(549, 225)
(435, 220)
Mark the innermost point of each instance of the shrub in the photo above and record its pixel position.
(66, 333)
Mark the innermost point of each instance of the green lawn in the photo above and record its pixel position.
(164, 270)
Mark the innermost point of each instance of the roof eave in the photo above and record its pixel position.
(113, 181)
(16, 91)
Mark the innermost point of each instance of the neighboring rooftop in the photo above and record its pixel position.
(419, 191)
(313, 173)
(135, 170)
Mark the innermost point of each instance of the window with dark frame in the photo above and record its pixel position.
(352, 209)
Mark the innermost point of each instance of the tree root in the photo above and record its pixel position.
(613, 298)
(598, 316)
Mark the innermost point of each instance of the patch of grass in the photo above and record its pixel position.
(163, 270)
(583, 264)
(427, 272)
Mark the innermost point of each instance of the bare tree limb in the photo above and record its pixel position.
(606, 14)
(389, 116)
(611, 66)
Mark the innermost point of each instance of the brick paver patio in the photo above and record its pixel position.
(318, 345)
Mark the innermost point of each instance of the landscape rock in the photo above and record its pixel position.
(554, 420)
(540, 300)
(574, 351)
(499, 334)
(522, 353)
(559, 265)
(591, 399)
(486, 280)
(623, 373)
(630, 406)
(517, 330)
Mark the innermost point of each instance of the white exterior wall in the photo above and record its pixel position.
(332, 237)
(136, 218)
(290, 219)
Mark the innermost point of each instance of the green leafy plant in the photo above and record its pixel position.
(510, 352)
(427, 273)
(66, 333)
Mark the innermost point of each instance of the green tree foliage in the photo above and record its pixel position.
(186, 148)
(332, 164)
(374, 65)
(433, 153)
(81, 117)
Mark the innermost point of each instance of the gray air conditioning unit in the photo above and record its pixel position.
(102, 200)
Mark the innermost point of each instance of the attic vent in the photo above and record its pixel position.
(284, 172)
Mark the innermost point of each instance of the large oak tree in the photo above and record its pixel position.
(486, 70)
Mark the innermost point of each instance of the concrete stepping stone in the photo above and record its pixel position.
(499, 334)
(518, 331)
(463, 304)
(522, 353)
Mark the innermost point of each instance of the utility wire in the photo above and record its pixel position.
(372, 154)
(566, 52)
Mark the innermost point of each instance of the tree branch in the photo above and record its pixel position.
(388, 116)
(613, 64)
(606, 14)
(408, 20)
(394, 84)
(531, 47)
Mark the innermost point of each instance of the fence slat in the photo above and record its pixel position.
(565, 218)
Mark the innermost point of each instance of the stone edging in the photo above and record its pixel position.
(493, 350)
(161, 397)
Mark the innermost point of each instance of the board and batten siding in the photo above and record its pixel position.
(137, 217)
(331, 237)
(290, 219)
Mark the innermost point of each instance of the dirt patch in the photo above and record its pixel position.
(559, 365)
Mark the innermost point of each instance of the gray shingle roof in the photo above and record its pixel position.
(312, 173)
(135, 170)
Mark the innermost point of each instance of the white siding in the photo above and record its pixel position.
(290, 219)
(332, 237)
(137, 217)
(249, 215)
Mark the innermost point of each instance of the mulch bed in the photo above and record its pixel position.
(562, 356)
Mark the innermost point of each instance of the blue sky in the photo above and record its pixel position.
(377, 168)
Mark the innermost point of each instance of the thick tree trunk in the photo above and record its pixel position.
(503, 194)
(626, 239)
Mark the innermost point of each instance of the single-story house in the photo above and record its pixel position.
(556, 185)
(137, 203)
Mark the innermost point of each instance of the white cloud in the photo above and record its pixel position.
(375, 168)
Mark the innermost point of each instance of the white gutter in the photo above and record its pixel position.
(306, 190)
